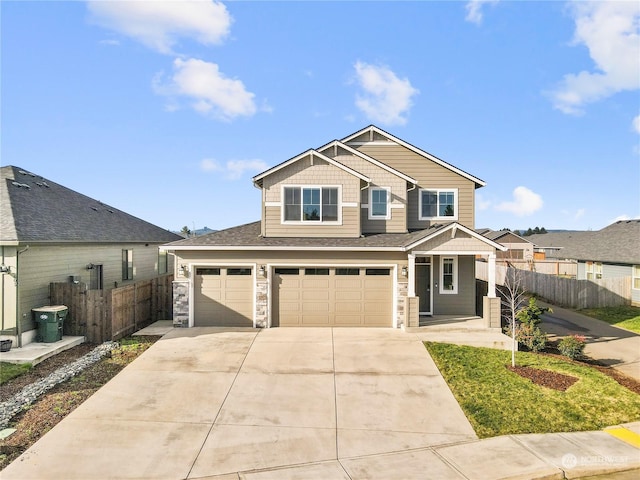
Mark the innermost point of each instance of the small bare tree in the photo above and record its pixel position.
(512, 298)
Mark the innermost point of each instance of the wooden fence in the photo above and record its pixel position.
(567, 292)
(548, 267)
(102, 315)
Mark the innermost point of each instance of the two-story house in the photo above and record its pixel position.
(365, 231)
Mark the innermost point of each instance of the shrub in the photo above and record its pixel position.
(572, 346)
(529, 336)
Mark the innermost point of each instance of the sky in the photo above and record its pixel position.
(166, 110)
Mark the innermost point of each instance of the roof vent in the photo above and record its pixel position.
(21, 185)
(94, 209)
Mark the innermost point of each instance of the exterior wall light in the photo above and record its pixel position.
(404, 271)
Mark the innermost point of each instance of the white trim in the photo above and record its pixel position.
(634, 276)
(373, 128)
(350, 204)
(310, 153)
(455, 275)
(310, 222)
(387, 215)
(462, 228)
(438, 191)
(272, 204)
(286, 248)
(366, 157)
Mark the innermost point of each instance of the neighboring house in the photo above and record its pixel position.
(518, 248)
(611, 252)
(366, 231)
(49, 233)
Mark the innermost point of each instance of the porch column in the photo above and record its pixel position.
(491, 292)
(411, 287)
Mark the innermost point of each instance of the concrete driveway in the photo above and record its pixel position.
(310, 402)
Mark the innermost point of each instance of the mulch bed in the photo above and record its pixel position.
(545, 378)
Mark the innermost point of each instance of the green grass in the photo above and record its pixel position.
(626, 317)
(11, 370)
(499, 402)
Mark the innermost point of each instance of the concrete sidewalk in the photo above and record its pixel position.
(610, 345)
(298, 404)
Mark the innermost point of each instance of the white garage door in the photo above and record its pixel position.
(223, 297)
(336, 296)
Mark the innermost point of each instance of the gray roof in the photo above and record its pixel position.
(34, 209)
(248, 236)
(616, 243)
(495, 235)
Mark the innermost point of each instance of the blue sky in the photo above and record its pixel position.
(167, 109)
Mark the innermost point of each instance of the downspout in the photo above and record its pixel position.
(18, 319)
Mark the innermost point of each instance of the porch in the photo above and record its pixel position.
(460, 330)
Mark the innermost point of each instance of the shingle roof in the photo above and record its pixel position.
(248, 236)
(495, 235)
(34, 209)
(616, 243)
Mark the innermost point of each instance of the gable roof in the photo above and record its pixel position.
(257, 180)
(372, 129)
(34, 209)
(616, 243)
(496, 235)
(372, 160)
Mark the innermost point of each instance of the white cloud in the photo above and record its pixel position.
(385, 98)
(210, 91)
(159, 24)
(233, 169)
(636, 124)
(525, 202)
(474, 10)
(579, 214)
(610, 30)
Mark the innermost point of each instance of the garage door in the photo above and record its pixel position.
(349, 297)
(223, 297)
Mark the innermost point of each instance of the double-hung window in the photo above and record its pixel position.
(438, 204)
(379, 204)
(449, 275)
(636, 277)
(310, 204)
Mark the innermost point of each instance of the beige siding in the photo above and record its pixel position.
(380, 178)
(41, 265)
(429, 175)
(317, 173)
(463, 242)
(350, 226)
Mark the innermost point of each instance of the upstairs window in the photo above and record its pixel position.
(310, 204)
(379, 204)
(439, 204)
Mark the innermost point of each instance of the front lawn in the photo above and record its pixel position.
(626, 316)
(12, 370)
(500, 402)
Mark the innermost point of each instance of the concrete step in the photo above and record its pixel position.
(36, 352)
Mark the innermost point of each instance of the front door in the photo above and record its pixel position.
(423, 287)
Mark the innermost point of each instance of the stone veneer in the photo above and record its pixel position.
(403, 288)
(262, 303)
(181, 303)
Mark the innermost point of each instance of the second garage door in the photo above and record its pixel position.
(223, 297)
(336, 296)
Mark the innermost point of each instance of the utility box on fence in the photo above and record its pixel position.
(50, 320)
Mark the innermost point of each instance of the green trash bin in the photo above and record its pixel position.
(50, 320)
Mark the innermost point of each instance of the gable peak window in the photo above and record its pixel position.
(309, 204)
(379, 200)
(438, 204)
